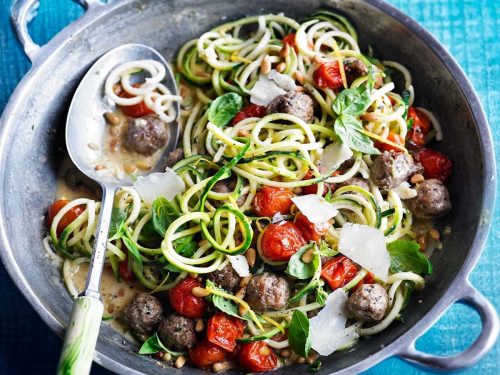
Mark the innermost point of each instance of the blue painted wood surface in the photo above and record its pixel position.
(470, 29)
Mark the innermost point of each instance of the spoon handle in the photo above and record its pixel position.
(83, 329)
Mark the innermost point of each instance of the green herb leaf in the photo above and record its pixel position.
(117, 224)
(154, 345)
(224, 108)
(163, 215)
(300, 270)
(299, 334)
(325, 250)
(321, 295)
(409, 287)
(134, 251)
(409, 123)
(315, 366)
(185, 246)
(406, 99)
(352, 102)
(407, 257)
(222, 304)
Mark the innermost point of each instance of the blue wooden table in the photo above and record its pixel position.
(470, 29)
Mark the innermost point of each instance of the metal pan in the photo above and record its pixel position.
(31, 146)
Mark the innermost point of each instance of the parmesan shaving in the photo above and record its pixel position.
(155, 185)
(315, 208)
(240, 264)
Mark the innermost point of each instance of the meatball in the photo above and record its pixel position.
(227, 186)
(355, 68)
(226, 278)
(143, 313)
(146, 135)
(294, 103)
(432, 200)
(177, 332)
(369, 302)
(267, 292)
(174, 157)
(356, 181)
(390, 169)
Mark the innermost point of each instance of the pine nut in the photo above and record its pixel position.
(281, 67)
(193, 275)
(129, 168)
(300, 89)
(221, 366)
(422, 241)
(265, 65)
(285, 353)
(264, 350)
(114, 145)
(241, 293)
(143, 165)
(180, 361)
(93, 146)
(99, 167)
(285, 51)
(244, 281)
(166, 357)
(434, 233)
(311, 358)
(297, 190)
(307, 256)
(317, 59)
(199, 292)
(115, 131)
(242, 310)
(243, 133)
(299, 77)
(250, 255)
(416, 178)
(112, 118)
(301, 360)
(200, 325)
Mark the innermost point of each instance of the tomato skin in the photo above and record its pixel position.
(436, 165)
(290, 40)
(368, 279)
(270, 200)
(338, 271)
(223, 330)
(250, 110)
(312, 189)
(136, 110)
(328, 76)
(184, 302)
(393, 137)
(280, 241)
(125, 271)
(68, 217)
(420, 128)
(311, 231)
(252, 359)
(205, 354)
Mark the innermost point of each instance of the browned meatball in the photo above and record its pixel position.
(226, 278)
(146, 135)
(355, 68)
(267, 292)
(356, 181)
(177, 332)
(369, 302)
(432, 200)
(294, 103)
(390, 169)
(143, 313)
(174, 157)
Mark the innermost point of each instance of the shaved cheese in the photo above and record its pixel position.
(240, 264)
(155, 185)
(315, 208)
(328, 331)
(277, 218)
(366, 246)
(405, 191)
(282, 80)
(333, 156)
(264, 91)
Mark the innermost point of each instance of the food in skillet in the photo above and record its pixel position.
(296, 217)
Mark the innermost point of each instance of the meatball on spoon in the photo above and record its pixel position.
(85, 130)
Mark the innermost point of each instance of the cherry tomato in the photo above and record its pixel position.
(419, 129)
(125, 271)
(251, 110)
(290, 40)
(257, 357)
(368, 279)
(311, 231)
(136, 110)
(270, 200)
(223, 330)
(280, 241)
(312, 189)
(328, 76)
(338, 271)
(436, 165)
(184, 302)
(68, 217)
(393, 137)
(205, 354)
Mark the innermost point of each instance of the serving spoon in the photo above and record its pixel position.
(85, 129)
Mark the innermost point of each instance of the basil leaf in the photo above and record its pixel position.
(409, 287)
(352, 102)
(300, 270)
(221, 303)
(224, 108)
(406, 99)
(117, 224)
(299, 334)
(407, 257)
(163, 215)
(325, 250)
(185, 246)
(315, 366)
(154, 345)
(350, 131)
(321, 295)
(134, 251)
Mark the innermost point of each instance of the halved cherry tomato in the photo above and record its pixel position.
(393, 137)
(251, 110)
(368, 279)
(223, 330)
(257, 357)
(270, 200)
(328, 76)
(68, 217)
(338, 271)
(184, 302)
(125, 271)
(311, 231)
(419, 129)
(312, 189)
(136, 110)
(280, 241)
(436, 165)
(205, 354)
(290, 40)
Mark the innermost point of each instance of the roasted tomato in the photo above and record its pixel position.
(68, 217)
(290, 40)
(327, 76)
(125, 271)
(223, 330)
(421, 126)
(270, 200)
(368, 279)
(136, 110)
(311, 231)
(312, 189)
(251, 110)
(184, 302)
(280, 241)
(436, 165)
(205, 354)
(257, 357)
(338, 271)
(393, 137)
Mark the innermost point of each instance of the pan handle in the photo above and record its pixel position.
(23, 12)
(489, 334)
